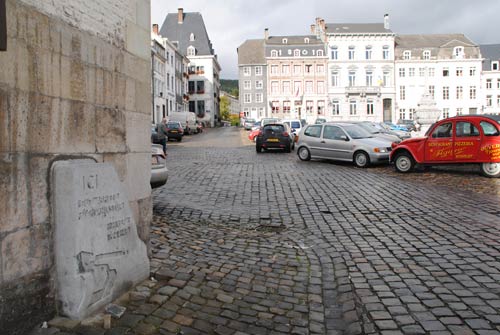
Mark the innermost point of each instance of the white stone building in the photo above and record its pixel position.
(490, 79)
(158, 66)
(447, 67)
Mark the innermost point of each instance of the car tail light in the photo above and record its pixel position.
(285, 133)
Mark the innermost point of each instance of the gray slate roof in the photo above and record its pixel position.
(356, 28)
(193, 23)
(490, 52)
(251, 52)
(293, 40)
(432, 41)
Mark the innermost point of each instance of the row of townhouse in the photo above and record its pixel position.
(366, 72)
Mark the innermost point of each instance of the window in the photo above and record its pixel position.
(352, 78)
(460, 92)
(472, 92)
(321, 107)
(334, 52)
(259, 97)
(369, 78)
(259, 84)
(411, 72)
(458, 52)
(402, 92)
(334, 133)
(274, 53)
(498, 83)
(258, 70)
(335, 107)
(247, 71)
(431, 72)
(421, 71)
(313, 131)
(309, 87)
(443, 131)
(407, 55)
(351, 52)
(368, 52)
(284, 41)
(191, 37)
(369, 107)
(285, 69)
(296, 53)
(320, 68)
(309, 106)
(286, 87)
(489, 129)
(297, 86)
(297, 69)
(320, 53)
(459, 72)
(498, 100)
(191, 87)
(472, 71)
(411, 113)
(274, 87)
(275, 106)
(494, 66)
(321, 87)
(200, 108)
(261, 111)
(402, 113)
(286, 106)
(446, 93)
(489, 102)
(431, 91)
(386, 79)
(335, 78)
(200, 87)
(488, 83)
(247, 85)
(308, 68)
(191, 51)
(247, 98)
(385, 52)
(446, 113)
(274, 69)
(402, 72)
(426, 55)
(466, 129)
(446, 72)
(352, 107)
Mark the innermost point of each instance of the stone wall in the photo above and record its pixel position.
(74, 83)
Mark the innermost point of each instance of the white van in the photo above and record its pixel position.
(294, 124)
(187, 120)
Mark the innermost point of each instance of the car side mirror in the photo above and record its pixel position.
(345, 138)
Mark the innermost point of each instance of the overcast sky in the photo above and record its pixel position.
(230, 22)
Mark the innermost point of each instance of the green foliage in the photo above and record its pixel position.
(224, 108)
(229, 86)
(235, 119)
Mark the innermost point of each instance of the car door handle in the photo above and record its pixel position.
(322, 142)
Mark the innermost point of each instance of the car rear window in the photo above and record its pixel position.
(295, 125)
(489, 129)
(172, 125)
(276, 128)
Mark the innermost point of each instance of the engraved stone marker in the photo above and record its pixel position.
(98, 252)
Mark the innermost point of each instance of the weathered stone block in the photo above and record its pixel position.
(39, 189)
(110, 131)
(138, 140)
(98, 252)
(138, 175)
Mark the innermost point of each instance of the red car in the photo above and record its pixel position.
(253, 134)
(462, 139)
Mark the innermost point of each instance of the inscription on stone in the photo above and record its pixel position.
(98, 252)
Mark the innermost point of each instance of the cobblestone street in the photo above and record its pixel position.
(247, 243)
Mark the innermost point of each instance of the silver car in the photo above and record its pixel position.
(159, 171)
(343, 142)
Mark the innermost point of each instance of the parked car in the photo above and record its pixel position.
(154, 135)
(267, 120)
(175, 130)
(343, 142)
(274, 136)
(375, 131)
(159, 171)
(403, 134)
(409, 124)
(320, 120)
(256, 125)
(294, 124)
(394, 126)
(248, 124)
(252, 135)
(471, 139)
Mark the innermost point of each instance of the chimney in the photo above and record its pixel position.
(386, 21)
(322, 24)
(266, 33)
(155, 28)
(180, 15)
(313, 29)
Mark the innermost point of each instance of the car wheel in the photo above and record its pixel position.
(304, 154)
(361, 159)
(258, 148)
(404, 162)
(179, 139)
(255, 139)
(491, 170)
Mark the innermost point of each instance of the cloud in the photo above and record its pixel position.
(230, 23)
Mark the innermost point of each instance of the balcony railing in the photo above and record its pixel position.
(362, 90)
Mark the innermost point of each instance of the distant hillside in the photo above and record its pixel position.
(229, 85)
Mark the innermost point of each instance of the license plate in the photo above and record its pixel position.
(273, 140)
(174, 131)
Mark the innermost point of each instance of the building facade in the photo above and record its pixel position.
(158, 84)
(490, 79)
(252, 83)
(445, 67)
(188, 33)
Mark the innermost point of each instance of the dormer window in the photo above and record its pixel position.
(407, 55)
(458, 52)
(191, 51)
(494, 66)
(191, 37)
(426, 55)
(306, 40)
(284, 41)
(274, 53)
(296, 53)
(320, 53)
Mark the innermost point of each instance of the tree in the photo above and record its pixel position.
(224, 108)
